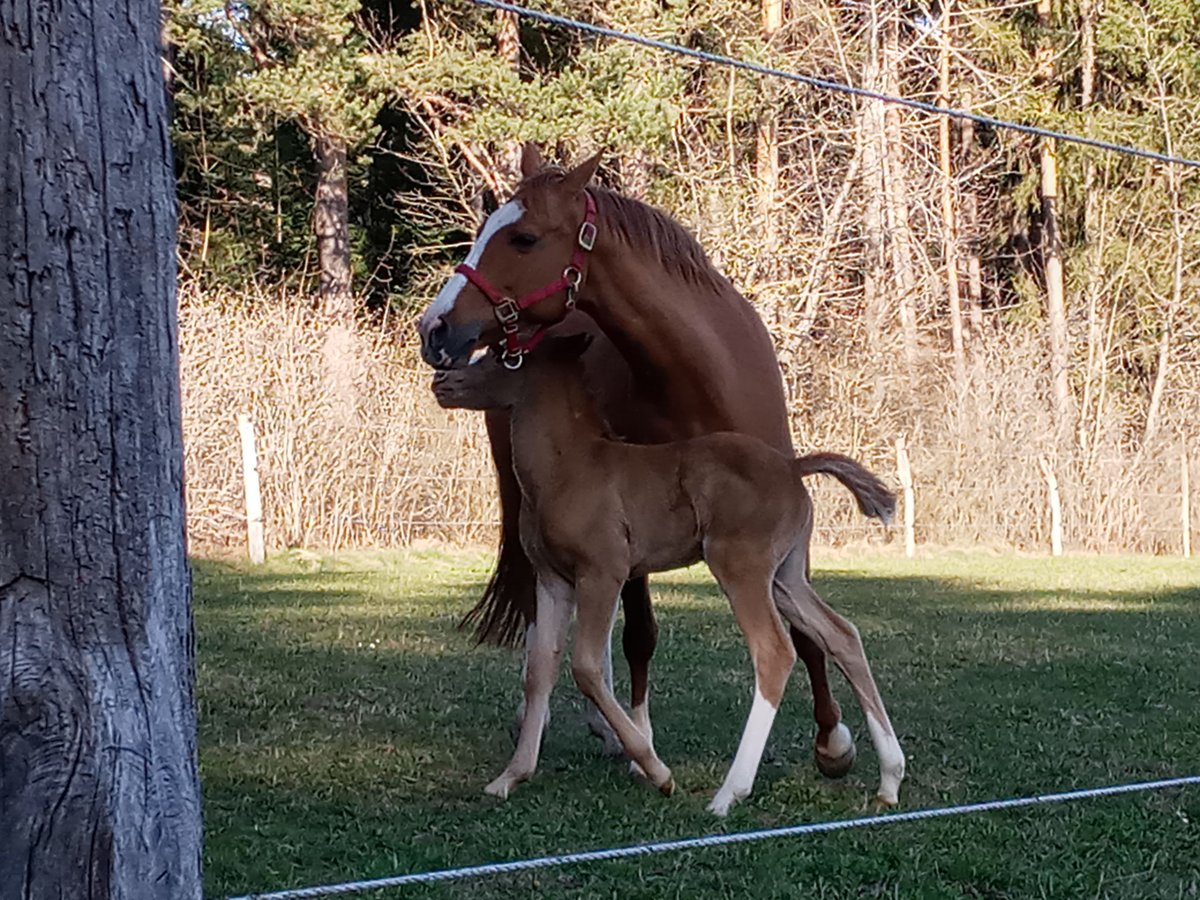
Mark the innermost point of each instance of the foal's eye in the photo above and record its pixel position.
(523, 240)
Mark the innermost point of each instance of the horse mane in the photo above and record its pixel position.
(644, 228)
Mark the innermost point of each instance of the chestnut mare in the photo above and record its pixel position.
(696, 360)
(596, 511)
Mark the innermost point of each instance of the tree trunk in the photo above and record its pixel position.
(331, 221)
(1056, 307)
(1089, 13)
(508, 48)
(873, 139)
(949, 228)
(969, 232)
(896, 187)
(766, 160)
(98, 780)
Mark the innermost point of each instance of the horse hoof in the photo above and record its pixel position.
(836, 766)
(667, 788)
(499, 788)
(719, 806)
(884, 803)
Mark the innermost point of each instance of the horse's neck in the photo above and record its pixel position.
(552, 429)
(697, 351)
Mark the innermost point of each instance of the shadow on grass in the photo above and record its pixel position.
(347, 726)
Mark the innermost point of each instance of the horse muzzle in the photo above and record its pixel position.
(446, 346)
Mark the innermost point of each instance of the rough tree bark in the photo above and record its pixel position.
(99, 796)
(331, 222)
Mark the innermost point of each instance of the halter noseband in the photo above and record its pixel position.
(508, 310)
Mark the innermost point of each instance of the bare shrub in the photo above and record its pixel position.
(376, 463)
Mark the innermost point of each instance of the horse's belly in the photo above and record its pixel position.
(669, 548)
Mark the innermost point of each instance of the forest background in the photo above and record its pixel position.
(1014, 311)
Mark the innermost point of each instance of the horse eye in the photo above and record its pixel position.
(523, 240)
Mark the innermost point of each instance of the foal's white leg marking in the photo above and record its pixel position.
(549, 639)
(740, 780)
(443, 303)
(891, 761)
(530, 637)
(641, 718)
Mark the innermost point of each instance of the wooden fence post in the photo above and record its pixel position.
(1186, 505)
(1055, 507)
(254, 517)
(904, 470)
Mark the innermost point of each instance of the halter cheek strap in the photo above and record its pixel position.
(508, 310)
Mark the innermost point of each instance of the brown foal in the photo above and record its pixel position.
(596, 511)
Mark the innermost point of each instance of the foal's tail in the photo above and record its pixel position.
(874, 498)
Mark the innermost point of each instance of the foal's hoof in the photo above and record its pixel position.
(502, 786)
(667, 788)
(836, 760)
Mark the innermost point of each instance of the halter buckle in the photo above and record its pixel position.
(512, 359)
(507, 311)
(587, 235)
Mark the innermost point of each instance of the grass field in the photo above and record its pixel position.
(347, 729)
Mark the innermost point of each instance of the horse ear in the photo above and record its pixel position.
(531, 159)
(577, 179)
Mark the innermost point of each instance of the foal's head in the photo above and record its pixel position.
(523, 249)
(489, 384)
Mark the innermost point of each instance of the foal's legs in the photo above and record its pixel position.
(595, 604)
(807, 612)
(834, 749)
(746, 580)
(544, 653)
(639, 637)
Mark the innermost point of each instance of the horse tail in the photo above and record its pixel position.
(874, 498)
(509, 602)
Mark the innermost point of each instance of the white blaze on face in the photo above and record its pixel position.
(443, 303)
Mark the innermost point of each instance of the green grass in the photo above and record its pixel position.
(347, 729)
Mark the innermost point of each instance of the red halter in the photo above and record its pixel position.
(508, 310)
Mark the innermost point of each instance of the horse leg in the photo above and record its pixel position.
(807, 612)
(544, 655)
(834, 749)
(746, 582)
(595, 598)
(638, 639)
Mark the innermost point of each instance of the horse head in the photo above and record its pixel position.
(523, 270)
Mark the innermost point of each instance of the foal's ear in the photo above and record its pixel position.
(531, 159)
(577, 179)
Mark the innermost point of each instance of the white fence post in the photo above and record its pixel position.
(904, 470)
(1055, 507)
(254, 517)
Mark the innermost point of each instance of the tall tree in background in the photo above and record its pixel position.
(98, 779)
(1056, 304)
(949, 218)
(310, 63)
